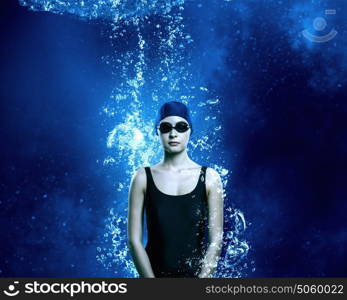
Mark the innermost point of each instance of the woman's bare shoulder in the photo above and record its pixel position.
(139, 178)
(213, 179)
(212, 172)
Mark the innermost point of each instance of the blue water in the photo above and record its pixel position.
(268, 77)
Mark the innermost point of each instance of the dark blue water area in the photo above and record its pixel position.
(284, 120)
(54, 194)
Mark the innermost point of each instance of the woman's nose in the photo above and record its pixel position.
(173, 132)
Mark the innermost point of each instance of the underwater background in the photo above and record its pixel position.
(80, 84)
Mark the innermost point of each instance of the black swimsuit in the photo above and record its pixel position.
(176, 228)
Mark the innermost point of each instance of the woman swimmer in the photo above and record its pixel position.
(183, 202)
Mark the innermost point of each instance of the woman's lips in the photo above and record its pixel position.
(173, 143)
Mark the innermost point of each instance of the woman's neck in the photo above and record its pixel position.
(176, 160)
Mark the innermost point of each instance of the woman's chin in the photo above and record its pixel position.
(175, 149)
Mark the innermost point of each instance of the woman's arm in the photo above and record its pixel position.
(135, 222)
(215, 223)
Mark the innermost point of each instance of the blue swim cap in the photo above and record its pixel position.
(173, 108)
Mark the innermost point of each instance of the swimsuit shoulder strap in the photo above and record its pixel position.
(202, 180)
(150, 182)
(148, 173)
(203, 173)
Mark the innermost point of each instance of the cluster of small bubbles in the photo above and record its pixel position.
(224, 174)
(109, 160)
(201, 143)
(112, 10)
(232, 263)
(118, 254)
(134, 142)
(120, 186)
(188, 262)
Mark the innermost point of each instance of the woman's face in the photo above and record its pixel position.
(167, 139)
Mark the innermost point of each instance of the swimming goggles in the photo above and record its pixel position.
(166, 127)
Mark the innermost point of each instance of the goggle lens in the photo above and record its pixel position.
(166, 127)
